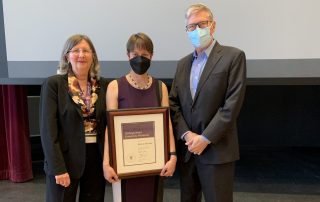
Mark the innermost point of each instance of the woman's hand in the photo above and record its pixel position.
(170, 167)
(109, 174)
(63, 179)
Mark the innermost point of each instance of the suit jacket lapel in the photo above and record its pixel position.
(209, 66)
(188, 65)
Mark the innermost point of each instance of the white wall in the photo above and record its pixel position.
(265, 29)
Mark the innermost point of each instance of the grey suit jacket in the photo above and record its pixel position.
(61, 127)
(214, 110)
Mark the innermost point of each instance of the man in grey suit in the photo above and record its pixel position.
(205, 100)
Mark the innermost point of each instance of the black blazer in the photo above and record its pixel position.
(216, 104)
(61, 127)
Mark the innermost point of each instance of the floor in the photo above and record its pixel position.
(291, 175)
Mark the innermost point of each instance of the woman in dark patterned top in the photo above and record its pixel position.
(138, 89)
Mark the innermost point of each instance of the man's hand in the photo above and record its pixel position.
(189, 136)
(196, 144)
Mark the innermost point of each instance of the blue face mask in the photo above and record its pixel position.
(200, 37)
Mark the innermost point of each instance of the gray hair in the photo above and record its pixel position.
(65, 67)
(195, 8)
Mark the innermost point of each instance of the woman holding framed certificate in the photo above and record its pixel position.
(137, 90)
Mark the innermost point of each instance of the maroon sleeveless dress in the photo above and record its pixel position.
(141, 189)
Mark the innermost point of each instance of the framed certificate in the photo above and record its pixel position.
(138, 140)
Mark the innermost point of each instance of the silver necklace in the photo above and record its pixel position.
(136, 85)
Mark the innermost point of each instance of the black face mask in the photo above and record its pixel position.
(140, 64)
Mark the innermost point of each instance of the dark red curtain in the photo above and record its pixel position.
(15, 151)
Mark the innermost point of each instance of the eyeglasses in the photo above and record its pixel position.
(202, 24)
(78, 51)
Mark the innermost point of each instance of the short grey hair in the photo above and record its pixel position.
(195, 8)
(64, 65)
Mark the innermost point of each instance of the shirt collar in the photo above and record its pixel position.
(207, 51)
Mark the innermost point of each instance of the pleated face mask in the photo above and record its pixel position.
(200, 37)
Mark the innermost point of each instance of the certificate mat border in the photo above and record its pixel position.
(112, 114)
